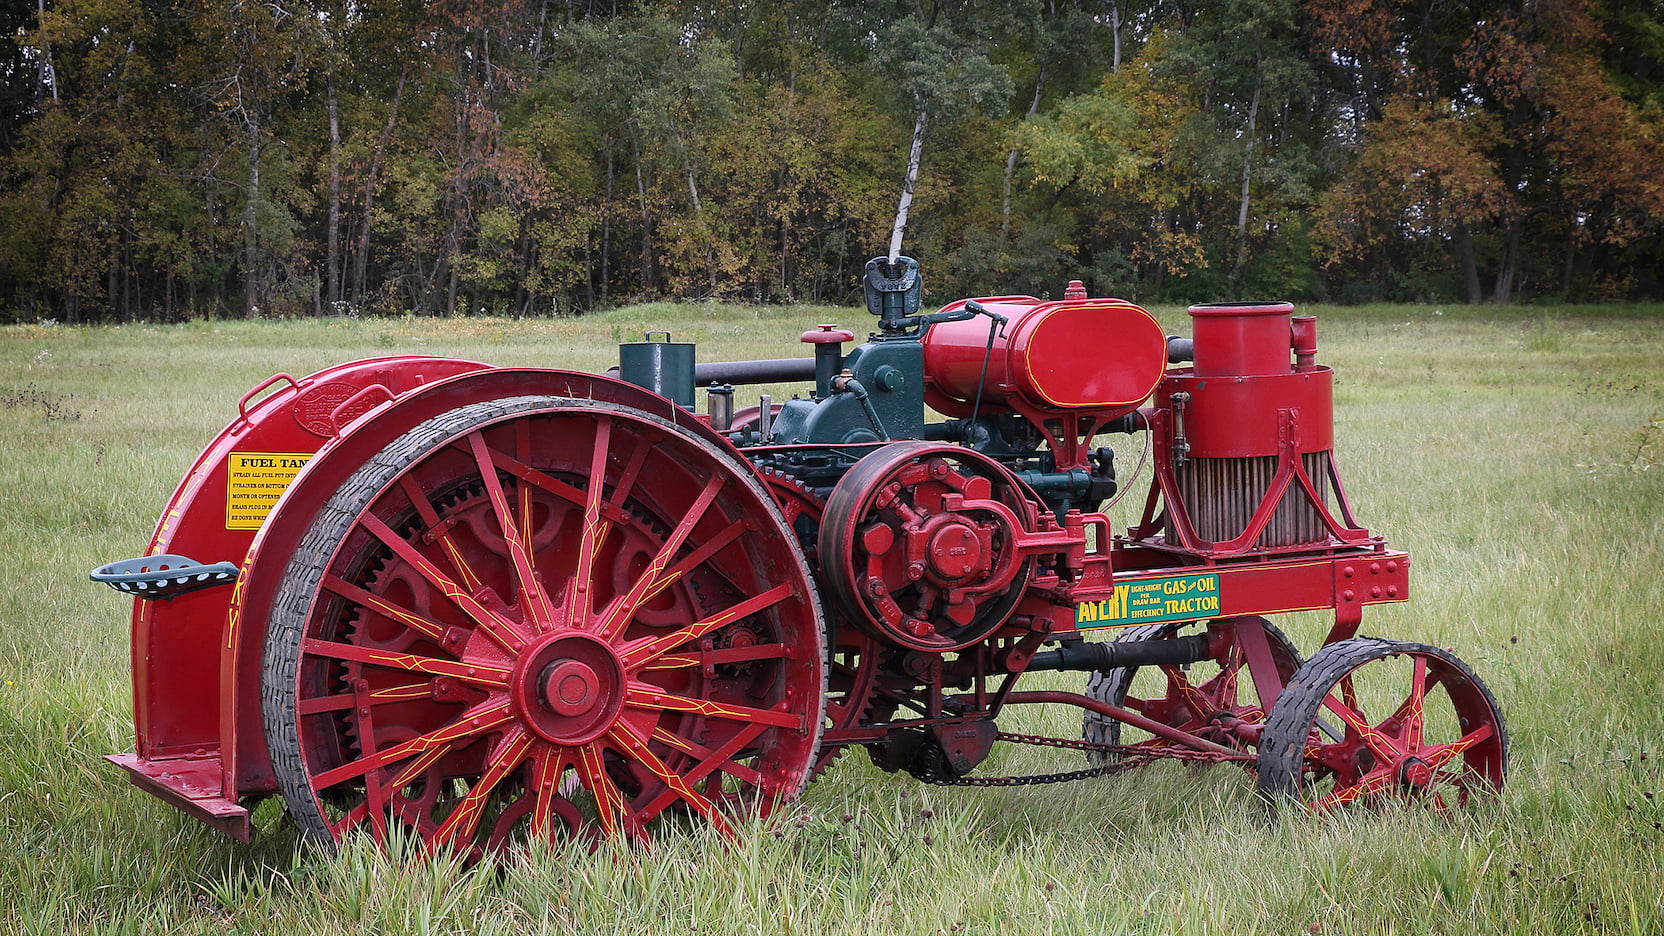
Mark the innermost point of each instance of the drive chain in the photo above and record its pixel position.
(1131, 755)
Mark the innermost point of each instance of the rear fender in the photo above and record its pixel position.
(214, 515)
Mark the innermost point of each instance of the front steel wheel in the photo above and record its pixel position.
(1211, 698)
(536, 617)
(1375, 721)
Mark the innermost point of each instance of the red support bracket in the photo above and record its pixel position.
(1368, 579)
(1256, 651)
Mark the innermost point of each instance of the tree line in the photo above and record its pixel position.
(168, 159)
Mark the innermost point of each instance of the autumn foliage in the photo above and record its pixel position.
(165, 160)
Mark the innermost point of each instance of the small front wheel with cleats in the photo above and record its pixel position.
(1374, 721)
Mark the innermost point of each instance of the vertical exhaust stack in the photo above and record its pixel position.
(1251, 436)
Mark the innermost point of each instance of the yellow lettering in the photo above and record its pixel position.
(255, 482)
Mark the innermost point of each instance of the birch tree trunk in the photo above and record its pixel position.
(646, 226)
(606, 230)
(908, 184)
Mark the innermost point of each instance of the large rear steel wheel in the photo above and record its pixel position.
(1374, 721)
(540, 616)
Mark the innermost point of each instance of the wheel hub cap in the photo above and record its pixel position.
(569, 688)
(1415, 773)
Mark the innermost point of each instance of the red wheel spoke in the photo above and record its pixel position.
(1440, 808)
(551, 763)
(1414, 710)
(1372, 783)
(477, 673)
(609, 802)
(1227, 693)
(709, 548)
(555, 486)
(645, 651)
(500, 630)
(459, 827)
(1199, 704)
(658, 575)
(475, 721)
(329, 703)
(375, 796)
(470, 579)
(420, 765)
(522, 450)
(1383, 747)
(351, 820)
(534, 600)
(346, 700)
(631, 743)
(648, 697)
(719, 759)
(401, 693)
(1443, 754)
(578, 599)
(1462, 780)
(627, 480)
(439, 530)
(382, 606)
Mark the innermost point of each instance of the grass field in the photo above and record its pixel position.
(1515, 452)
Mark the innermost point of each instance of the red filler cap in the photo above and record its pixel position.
(828, 334)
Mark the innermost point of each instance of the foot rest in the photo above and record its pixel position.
(165, 577)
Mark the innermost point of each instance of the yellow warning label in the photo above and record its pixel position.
(253, 483)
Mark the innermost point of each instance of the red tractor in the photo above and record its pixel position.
(484, 604)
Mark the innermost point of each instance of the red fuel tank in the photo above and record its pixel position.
(1104, 355)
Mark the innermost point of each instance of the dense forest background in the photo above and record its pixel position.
(167, 159)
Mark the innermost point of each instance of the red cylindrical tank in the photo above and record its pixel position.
(1242, 417)
(1104, 355)
(1244, 413)
(1242, 339)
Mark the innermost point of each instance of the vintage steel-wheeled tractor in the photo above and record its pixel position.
(487, 604)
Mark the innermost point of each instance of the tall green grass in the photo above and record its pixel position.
(1514, 453)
